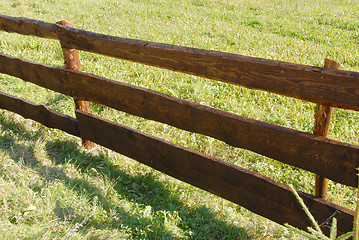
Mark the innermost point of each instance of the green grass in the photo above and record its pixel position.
(50, 188)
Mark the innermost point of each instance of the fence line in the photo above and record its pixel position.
(325, 86)
(328, 158)
(251, 190)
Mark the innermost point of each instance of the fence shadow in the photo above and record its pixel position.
(142, 189)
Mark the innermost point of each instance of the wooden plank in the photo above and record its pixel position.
(39, 113)
(72, 61)
(28, 26)
(53, 78)
(253, 191)
(323, 116)
(328, 158)
(325, 86)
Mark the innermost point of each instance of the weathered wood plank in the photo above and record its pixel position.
(325, 86)
(39, 113)
(28, 26)
(54, 78)
(253, 191)
(328, 158)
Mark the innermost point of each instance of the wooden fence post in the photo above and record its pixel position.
(323, 116)
(72, 61)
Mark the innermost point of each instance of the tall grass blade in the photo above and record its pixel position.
(345, 236)
(301, 232)
(306, 210)
(333, 229)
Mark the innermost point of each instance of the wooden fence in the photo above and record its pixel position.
(327, 87)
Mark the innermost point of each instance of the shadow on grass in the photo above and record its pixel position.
(142, 189)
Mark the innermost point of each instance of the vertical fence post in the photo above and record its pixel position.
(72, 61)
(323, 116)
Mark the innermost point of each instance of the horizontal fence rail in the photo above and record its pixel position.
(27, 26)
(320, 85)
(248, 189)
(328, 158)
(39, 113)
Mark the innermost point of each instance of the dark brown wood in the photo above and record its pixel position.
(28, 26)
(325, 157)
(325, 86)
(323, 116)
(253, 191)
(320, 85)
(54, 78)
(72, 62)
(39, 113)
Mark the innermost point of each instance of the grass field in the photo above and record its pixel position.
(51, 188)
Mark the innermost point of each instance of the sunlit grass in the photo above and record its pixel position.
(50, 188)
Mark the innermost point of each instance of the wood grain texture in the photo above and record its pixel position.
(54, 78)
(253, 191)
(27, 26)
(332, 159)
(39, 113)
(321, 85)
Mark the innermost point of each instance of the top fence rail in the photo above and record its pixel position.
(324, 86)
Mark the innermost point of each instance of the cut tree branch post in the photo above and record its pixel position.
(72, 62)
(323, 116)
